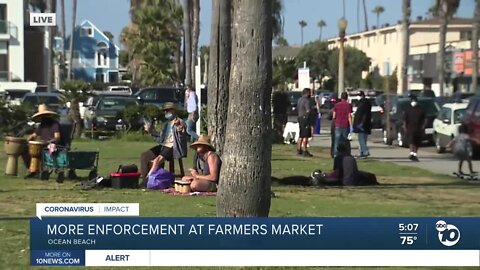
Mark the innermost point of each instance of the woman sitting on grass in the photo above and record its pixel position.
(205, 177)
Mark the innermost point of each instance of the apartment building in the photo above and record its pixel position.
(384, 47)
(11, 41)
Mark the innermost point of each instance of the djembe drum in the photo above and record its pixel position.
(14, 147)
(35, 151)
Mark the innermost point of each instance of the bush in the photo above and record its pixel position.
(13, 119)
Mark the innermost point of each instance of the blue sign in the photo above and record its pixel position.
(74, 234)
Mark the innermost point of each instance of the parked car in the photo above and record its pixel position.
(394, 131)
(102, 116)
(461, 97)
(54, 101)
(324, 95)
(472, 120)
(160, 95)
(15, 96)
(445, 126)
(294, 97)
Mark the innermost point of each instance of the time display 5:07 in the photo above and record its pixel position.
(408, 227)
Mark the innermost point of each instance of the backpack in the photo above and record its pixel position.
(160, 179)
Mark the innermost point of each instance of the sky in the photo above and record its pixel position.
(112, 15)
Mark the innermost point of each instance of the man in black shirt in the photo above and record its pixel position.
(414, 122)
(304, 109)
(362, 124)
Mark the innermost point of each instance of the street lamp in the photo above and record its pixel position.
(342, 26)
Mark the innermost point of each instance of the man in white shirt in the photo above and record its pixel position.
(192, 109)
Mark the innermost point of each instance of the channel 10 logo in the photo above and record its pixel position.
(448, 234)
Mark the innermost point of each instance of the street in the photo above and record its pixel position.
(429, 159)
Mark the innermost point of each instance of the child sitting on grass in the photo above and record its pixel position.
(462, 148)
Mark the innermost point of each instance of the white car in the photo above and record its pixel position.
(445, 126)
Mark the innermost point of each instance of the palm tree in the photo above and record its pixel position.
(277, 18)
(476, 29)
(302, 24)
(64, 33)
(446, 9)
(195, 9)
(378, 10)
(187, 41)
(365, 15)
(70, 57)
(321, 24)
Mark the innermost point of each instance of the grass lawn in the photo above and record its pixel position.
(404, 191)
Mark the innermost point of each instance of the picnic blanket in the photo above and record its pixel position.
(172, 191)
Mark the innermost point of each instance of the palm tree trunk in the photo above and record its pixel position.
(403, 78)
(72, 35)
(476, 29)
(301, 27)
(219, 72)
(245, 183)
(187, 41)
(378, 20)
(441, 49)
(195, 35)
(64, 33)
(365, 15)
(177, 56)
(49, 47)
(320, 37)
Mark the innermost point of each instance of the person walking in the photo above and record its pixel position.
(304, 108)
(462, 148)
(414, 122)
(362, 124)
(343, 121)
(192, 109)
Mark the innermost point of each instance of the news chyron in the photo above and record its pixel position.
(114, 234)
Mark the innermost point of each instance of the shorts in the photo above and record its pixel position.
(305, 127)
(165, 152)
(415, 138)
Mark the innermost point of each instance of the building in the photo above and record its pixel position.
(95, 56)
(11, 41)
(384, 47)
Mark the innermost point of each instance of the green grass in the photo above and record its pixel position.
(404, 191)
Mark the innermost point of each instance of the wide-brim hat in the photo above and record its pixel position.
(203, 140)
(169, 106)
(43, 111)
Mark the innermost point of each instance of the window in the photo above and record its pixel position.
(466, 35)
(100, 77)
(385, 39)
(102, 55)
(458, 116)
(86, 32)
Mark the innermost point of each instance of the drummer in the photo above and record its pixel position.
(205, 177)
(48, 132)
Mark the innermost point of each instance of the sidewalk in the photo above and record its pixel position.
(437, 163)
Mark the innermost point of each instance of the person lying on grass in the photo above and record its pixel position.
(205, 177)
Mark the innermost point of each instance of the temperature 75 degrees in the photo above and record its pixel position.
(408, 239)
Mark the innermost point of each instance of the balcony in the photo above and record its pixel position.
(7, 30)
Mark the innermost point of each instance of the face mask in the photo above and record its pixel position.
(169, 116)
(413, 103)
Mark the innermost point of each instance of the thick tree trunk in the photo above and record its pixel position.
(195, 34)
(219, 75)
(70, 57)
(76, 118)
(476, 29)
(403, 70)
(245, 177)
(187, 41)
(49, 32)
(441, 46)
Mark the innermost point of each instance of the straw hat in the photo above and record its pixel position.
(43, 111)
(169, 106)
(203, 140)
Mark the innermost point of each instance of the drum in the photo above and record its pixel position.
(35, 151)
(14, 147)
(182, 186)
